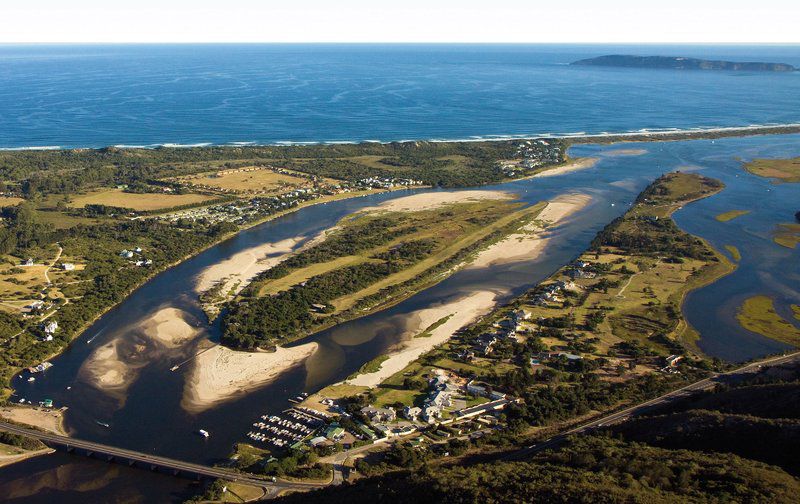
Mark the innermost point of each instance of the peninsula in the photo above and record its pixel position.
(681, 63)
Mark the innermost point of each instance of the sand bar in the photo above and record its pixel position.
(625, 152)
(170, 327)
(432, 200)
(242, 267)
(532, 239)
(463, 311)
(220, 374)
(576, 165)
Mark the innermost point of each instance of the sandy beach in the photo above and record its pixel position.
(532, 239)
(577, 165)
(220, 374)
(462, 312)
(431, 200)
(49, 419)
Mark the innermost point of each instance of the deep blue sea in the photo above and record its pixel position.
(96, 95)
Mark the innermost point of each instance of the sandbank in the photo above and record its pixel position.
(577, 165)
(532, 239)
(48, 419)
(238, 270)
(169, 327)
(220, 374)
(432, 200)
(625, 152)
(462, 311)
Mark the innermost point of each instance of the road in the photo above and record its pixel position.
(640, 408)
(148, 461)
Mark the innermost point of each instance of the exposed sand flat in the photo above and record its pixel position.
(625, 152)
(220, 374)
(431, 200)
(463, 311)
(577, 165)
(242, 267)
(169, 326)
(532, 239)
(51, 420)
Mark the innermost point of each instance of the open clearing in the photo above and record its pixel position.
(250, 179)
(7, 201)
(140, 202)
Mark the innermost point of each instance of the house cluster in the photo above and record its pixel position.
(579, 269)
(536, 153)
(537, 359)
(385, 183)
(130, 254)
(671, 364)
(507, 329)
(550, 293)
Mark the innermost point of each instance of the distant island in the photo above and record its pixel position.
(680, 63)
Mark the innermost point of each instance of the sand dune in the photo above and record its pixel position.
(220, 374)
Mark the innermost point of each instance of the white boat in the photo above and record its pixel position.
(31, 379)
(203, 433)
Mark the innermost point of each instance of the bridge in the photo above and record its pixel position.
(153, 462)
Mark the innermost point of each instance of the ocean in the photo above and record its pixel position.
(69, 96)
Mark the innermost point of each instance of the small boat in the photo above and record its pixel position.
(203, 433)
(102, 424)
(31, 379)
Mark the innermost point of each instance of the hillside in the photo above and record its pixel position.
(681, 63)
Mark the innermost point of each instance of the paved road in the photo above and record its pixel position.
(640, 408)
(151, 461)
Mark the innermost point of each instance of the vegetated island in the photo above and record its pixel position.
(682, 63)
(780, 170)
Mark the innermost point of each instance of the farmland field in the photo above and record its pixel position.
(141, 202)
(248, 179)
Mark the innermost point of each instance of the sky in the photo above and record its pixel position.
(510, 21)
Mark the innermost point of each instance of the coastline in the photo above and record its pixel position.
(642, 135)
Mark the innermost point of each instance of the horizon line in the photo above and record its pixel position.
(377, 42)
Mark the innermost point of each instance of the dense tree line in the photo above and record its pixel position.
(48, 172)
(22, 228)
(588, 470)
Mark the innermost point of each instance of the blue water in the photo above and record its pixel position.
(93, 96)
